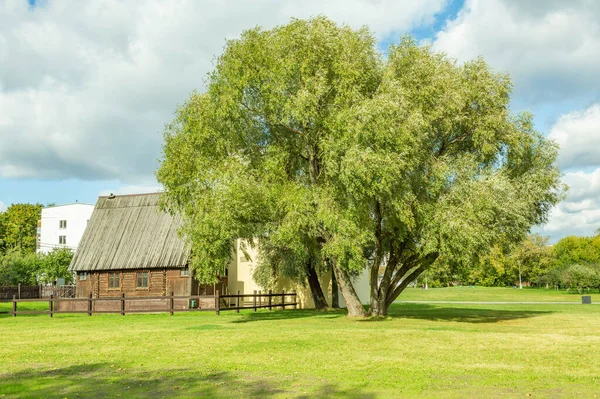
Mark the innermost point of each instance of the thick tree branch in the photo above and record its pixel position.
(408, 264)
(392, 295)
(445, 145)
(289, 128)
(378, 249)
(423, 264)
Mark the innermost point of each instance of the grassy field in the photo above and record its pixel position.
(422, 350)
(500, 294)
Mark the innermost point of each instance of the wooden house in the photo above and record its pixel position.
(131, 247)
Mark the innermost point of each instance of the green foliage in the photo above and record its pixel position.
(577, 250)
(575, 263)
(18, 268)
(492, 269)
(580, 276)
(499, 266)
(308, 139)
(534, 256)
(54, 265)
(18, 227)
(244, 159)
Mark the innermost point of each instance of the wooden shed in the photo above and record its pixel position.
(131, 247)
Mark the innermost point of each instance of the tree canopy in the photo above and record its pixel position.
(17, 267)
(333, 155)
(18, 227)
(577, 250)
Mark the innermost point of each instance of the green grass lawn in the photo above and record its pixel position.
(499, 294)
(422, 350)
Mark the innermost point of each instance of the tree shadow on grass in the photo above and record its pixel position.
(460, 314)
(291, 314)
(102, 380)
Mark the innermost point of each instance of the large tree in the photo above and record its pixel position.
(245, 159)
(18, 227)
(335, 156)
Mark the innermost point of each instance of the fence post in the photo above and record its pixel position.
(122, 304)
(237, 302)
(254, 300)
(295, 300)
(14, 312)
(282, 299)
(90, 305)
(40, 291)
(270, 293)
(51, 304)
(260, 301)
(217, 303)
(171, 303)
(19, 290)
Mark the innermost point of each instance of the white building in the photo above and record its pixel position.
(62, 226)
(240, 278)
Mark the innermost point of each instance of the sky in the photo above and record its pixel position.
(86, 87)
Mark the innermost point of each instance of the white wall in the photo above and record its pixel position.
(240, 278)
(76, 216)
(241, 269)
(362, 288)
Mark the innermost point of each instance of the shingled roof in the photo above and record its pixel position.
(130, 232)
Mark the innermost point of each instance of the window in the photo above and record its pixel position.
(185, 271)
(114, 280)
(62, 239)
(142, 280)
(62, 224)
(82, 276)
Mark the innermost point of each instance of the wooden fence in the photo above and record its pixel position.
(20, 291)
(157, 304)
(36, 291)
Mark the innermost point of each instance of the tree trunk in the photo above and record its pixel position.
(379, 289)
(335, 302)
(315, 288)
(378, 307)
(355, 308)
(390, 288)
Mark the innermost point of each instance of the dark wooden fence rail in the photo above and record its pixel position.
(257, 300)
(20, 291)
(35, 292)
(254, 301)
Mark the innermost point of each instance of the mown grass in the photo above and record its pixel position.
(422, 350)
(494, 294)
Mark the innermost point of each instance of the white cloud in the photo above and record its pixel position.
(579, 214)
(578, 134)
(550, 48)
(132, 189)
(86, 87)
(579, 139)
(3, 207)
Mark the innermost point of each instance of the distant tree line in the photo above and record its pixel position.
(19, 262)
(573, 263)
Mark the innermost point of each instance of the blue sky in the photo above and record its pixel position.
(88, 86)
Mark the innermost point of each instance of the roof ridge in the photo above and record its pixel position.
(128, 195)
